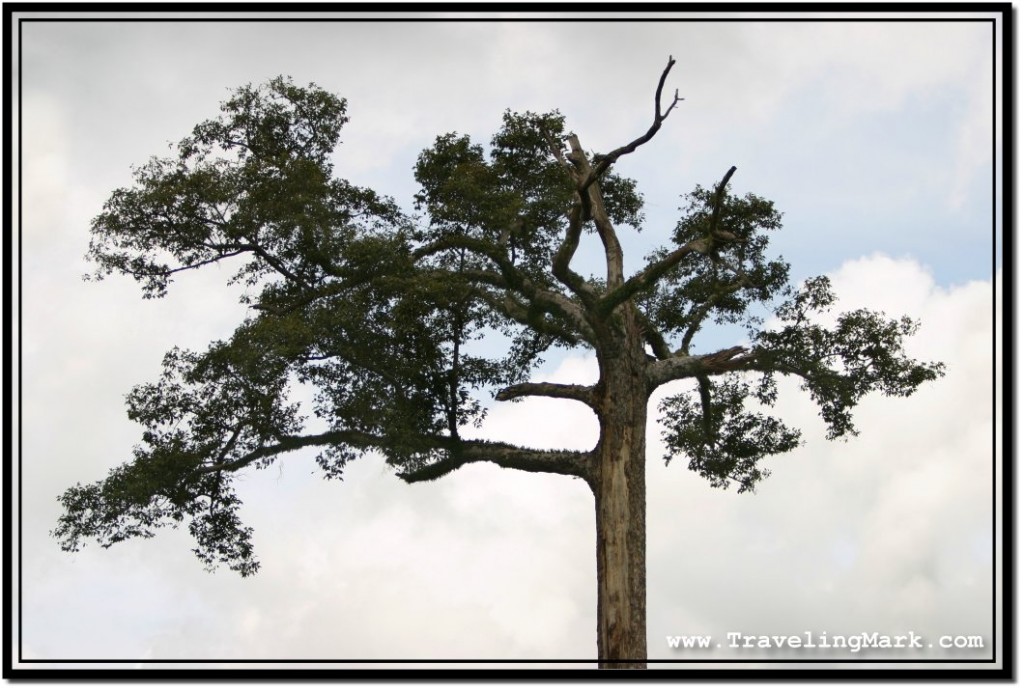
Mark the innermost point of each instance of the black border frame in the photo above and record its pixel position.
(1003, 54)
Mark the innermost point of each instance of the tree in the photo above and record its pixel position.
(379, 310)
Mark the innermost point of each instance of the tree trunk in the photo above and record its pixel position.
(620, 500)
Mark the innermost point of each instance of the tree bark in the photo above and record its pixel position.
(620, 501)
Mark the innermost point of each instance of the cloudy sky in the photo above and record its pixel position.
(874, 138)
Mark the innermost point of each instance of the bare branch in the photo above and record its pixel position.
(560, 264)
(658, 115)
(716, 210)
(592, 207)
(576, 392)
(682, 366)
(605, 161)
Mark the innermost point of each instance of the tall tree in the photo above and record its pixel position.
(378, 312)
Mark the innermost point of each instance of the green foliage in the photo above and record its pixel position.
(379, 314)
(725, 282)
(862, 352)
(738, 438)
(515, 196)
(256, 181)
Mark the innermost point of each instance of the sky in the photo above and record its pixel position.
(875, 139)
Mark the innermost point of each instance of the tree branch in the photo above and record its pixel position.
(294, 443)
(573, 463)
(699, 313)
(605, 161)
(232, 440)
(188, 267)
(653, 337)
(278, 265)
(560, 264)
(556, 151)
(329, 290)
(522, 314)
(650, 274)
(716, 210)
(682, 366)
(592, 207)
(511, 279)
(563, 257)
(576, 392)
(540, 302)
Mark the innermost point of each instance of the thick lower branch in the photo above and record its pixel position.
(573, 463)
(460, 452)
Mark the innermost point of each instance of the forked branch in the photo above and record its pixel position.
(605, 161)
(592, 208)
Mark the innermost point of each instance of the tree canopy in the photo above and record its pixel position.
(381, 312)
